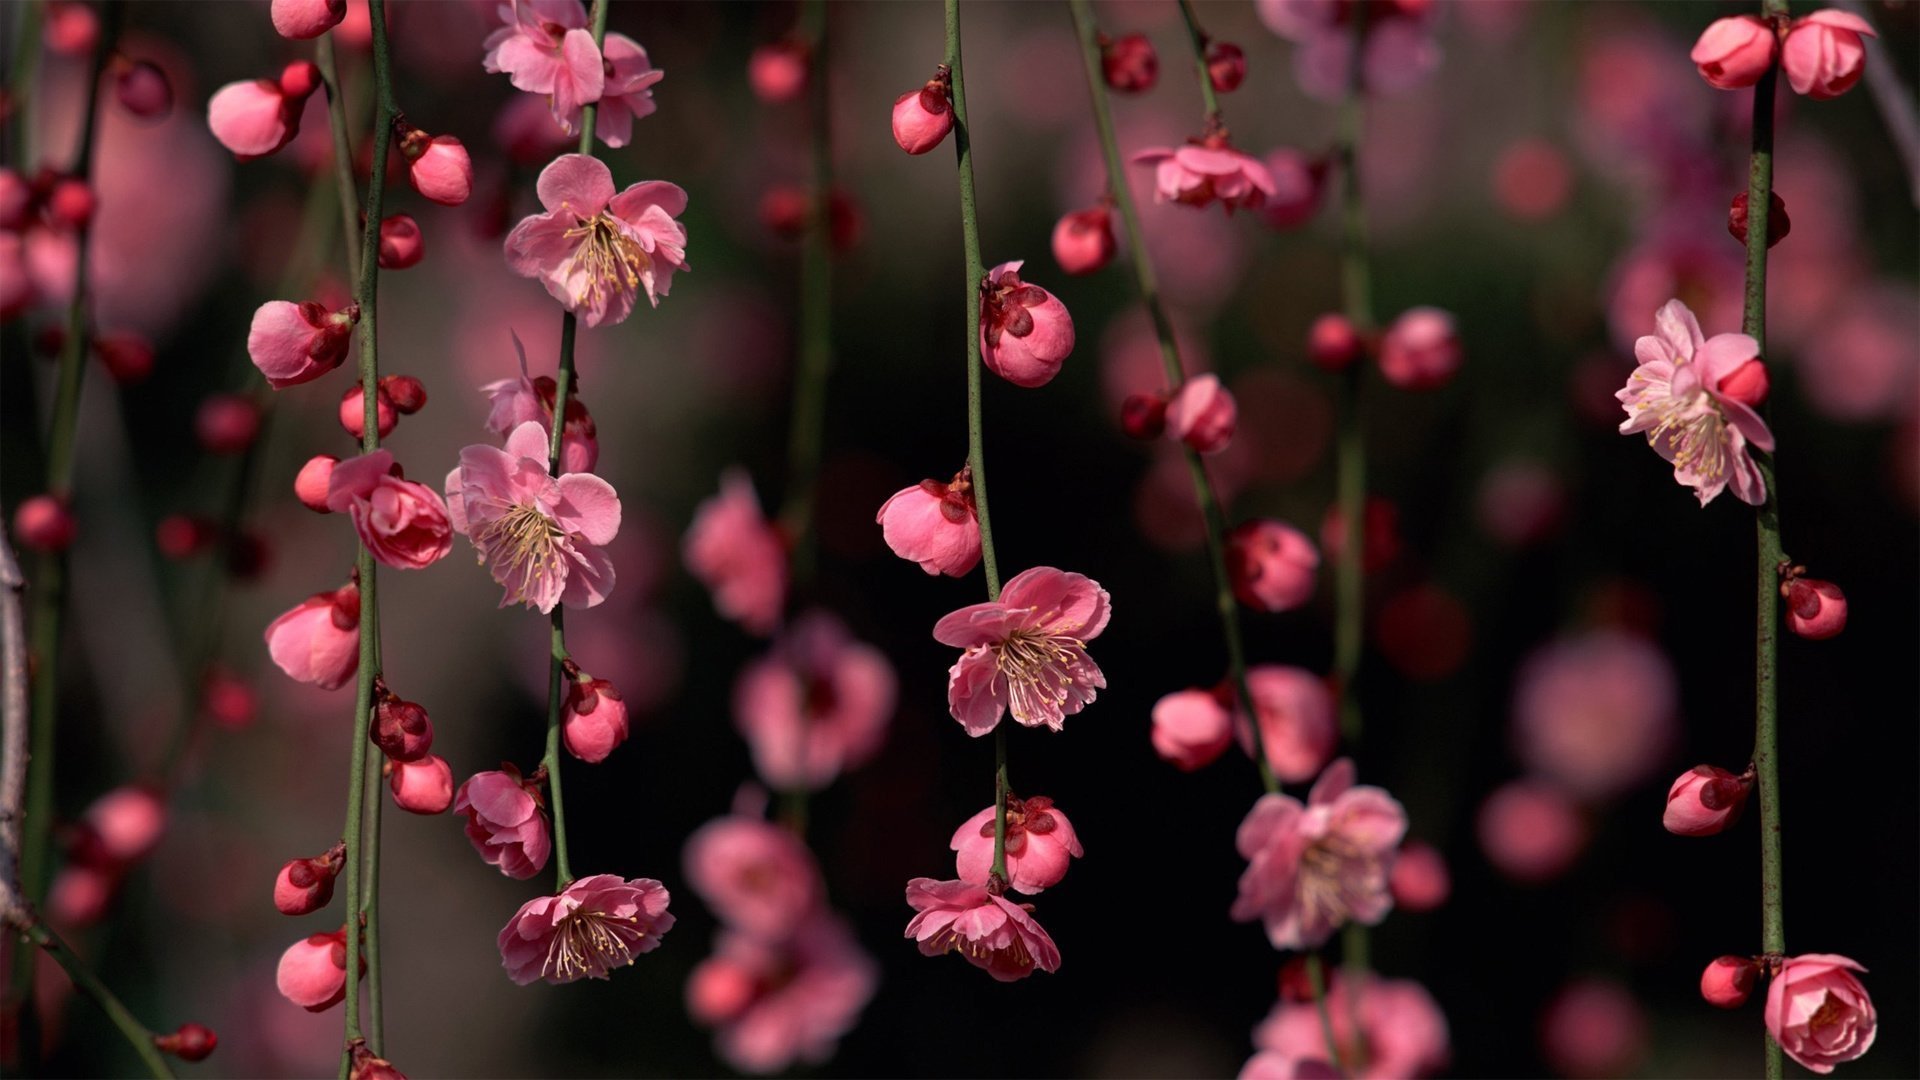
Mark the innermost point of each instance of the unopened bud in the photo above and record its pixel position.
(71, 203)
(1778, 224)
(401, 729)
(1705, 800)
(1083, 240)
(1129, 63)
(1747, 384)
(227, 423)
(408, 394)
(922, 117)
(193, 1042)
(422, 787)
(306, 885)
(1143, 416)
(299, 80)
(1816, 609)
(43, 523)
(353, 412)
(401, 244)
(1728, 981)
(142, 89)
(182, 536)
(1226, 66)
(1332, 342)
(127, 357)
(311, 484)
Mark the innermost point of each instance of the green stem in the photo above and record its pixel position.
(563, 390)
(1351, 468)
(370, 910)
(89, 984)
(1210, 504)
(366, 293)
(342, 151)
(805, 433)
(1317, 980)
(1768, 555)
(25, 66)
(1198, 39)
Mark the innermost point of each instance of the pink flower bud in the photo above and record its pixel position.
(1421, 350)
(310, 485)
(1420, 880)
(71, 28)
(353, 412)
(192, 1042)
(302, 19)
(1705, 800)
(229, 701)
(1728, 981)
(1226, 66)
(407, 394)
(401, 244)
(227, 423)
(128, 357)
(1333, 343)
(304, 886)
(777, 71)
(504, 822)
(1083, 240)
(1202, 414)
(935, 525)
(124, 825)
(297, 343)
(182, 536)
(1143, 416)
(1272, 565)
(1025, 331)
(1040, 845)
(401, 729)
(1817, 1011)
(253, 118)
(43, 523)
(1823, 55)
(1778, 224)
(81, 894)
(318, 641)
(1191, 728)
(1816, 609)
(720, 990)
(1129, 63)
(437, 166)
(596, 720)
(142, 89)
(299, 80)
(1734, 52)
(784, 210)
(369, 1066)
(313, 971)
(922, 118)
(71, 203)
(422, 787)
(1747, 384)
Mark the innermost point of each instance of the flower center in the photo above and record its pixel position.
(609, 261)
(523, 545)
(1828, 1014)
(589, 943)
(1333, 877)
(1037, 668)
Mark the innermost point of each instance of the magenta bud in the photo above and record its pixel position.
(1778, 224)
(401, 243)
(422, 787)
(596, 720)
(1816, 609)
(1143, 416)
(777, 71)
(1226, 66)
(408, 394)
(306, 885)
(71, 203)
(193, 1042)
(1333, 343)
(1705, 800)
(1129, 63)
(401, 729)
(1728, 981)
(227, 423)
(127, 357)
(143, 90)
(353, 412)
(1083, 240)
(182, 536)
(922, 118)
(43, 523)
(299, 80)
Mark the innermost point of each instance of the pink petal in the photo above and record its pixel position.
(577, 183)
(355, 478)
(1841, 20)
(590, 508)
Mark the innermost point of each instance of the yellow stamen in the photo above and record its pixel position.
(609, 259)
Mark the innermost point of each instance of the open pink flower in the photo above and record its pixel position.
(295, 343)
(993, 933)
(318, 642)
(1025, 331)
(593, 249)
(255, 117)
(739, 555)
(1201, 173)
(818, 705)
(1312, 868)
(775, 1003)
(756, 876)
(403, 523)
(935, 525)
(512, 402)
(546, 49)
(1040, 843)
(1819, 1013)
(504, 822)
(594, 925)
(541, 535)
(1823, 55)
(1026, 652)
(628, 95)
(1296, 720)
(1675, 396)
(1402, 1032)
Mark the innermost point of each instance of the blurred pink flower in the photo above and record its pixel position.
(1399, 51)
(1674, 261)
(1675, 395)
(1040, 843)
(318, 641)
(296, 343)
(817, 706)
(1297, 187)
(1191, 728)
(1312, 868)
(1202, 172)
(1594, 1028)
(1202, 414)
(1596, 713)
(1025, 331)
(1296, 721)
(993, 933)
(313, 971)
(756, 876)
(541, 535)
(1530, 831)
(124, 825)
(1823, 55)
(738, 555)
(1272, 1065)
(1818, 1012)
(1862, 364)
(595, 249)
(1521, 503)
(592, 926)
(545, 48)
(1273, 565)
(402, 522)
(1083, 241)
(777, 1003)
(1420, 880)
(505, 822)
(1026, 652)
(628, 94)
(1402, 1032)
(255, 117)
(1420, 350)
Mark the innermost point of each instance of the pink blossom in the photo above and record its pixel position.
(255, 117)
(596, 721)
(438, 166)
(1296, 721)
(1674, 396)
(1596, 713)
(935, 525)
(1312, 868)
(1818, 1012)
(1202, 414)
(1532, 180)
(1704, 800)
(1420, 880)
(422, 787)
(594, 925)
(1594, 1028)
(1200, 173)
(1083, 240)
(1398, 53)
(1734, 52)
(318, 641)
(505, 822)
(301, 19)
(993, 933)
(757, 877)
(296, 343)
(1530, 831)
(923, 116)
(402, 522)
(313, 971)
(739, 555)
(1273, 565)
(817, 706)
(1040, 843)
(545, 48)
(593, 249)
(1420, 350)
(1191, 728)
(1402, 1032)
(541, 535)
(1025, 331)
(512, 402)
(1026, 652)
(1823, 55)
(628, 94)
(777, 1003)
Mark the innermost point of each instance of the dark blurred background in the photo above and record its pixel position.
(1562, 174)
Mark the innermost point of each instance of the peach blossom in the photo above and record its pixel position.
(318, 641)
(775, 1004)
(1402, 1032)
(1674, 396)
(296, 343)
(1705, 800)
(1025, 331)
(1823, 55)
(1312, 868)
(935, 525)
(512, 402)
(592, 926)
(1026, 652)
(422, 787)
(756, 876)
(545, 48)
(505, 822)
(541, 535)
(1296, 720)
(1399, 51)
(1040, 843)
(594, 249)
(1272, 565)
(817, 706)
(738, 555)
(403, 523)
(1191, 728)
(1297, 187)
(1734, 52)
(991, 932)
(1819, 1013)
